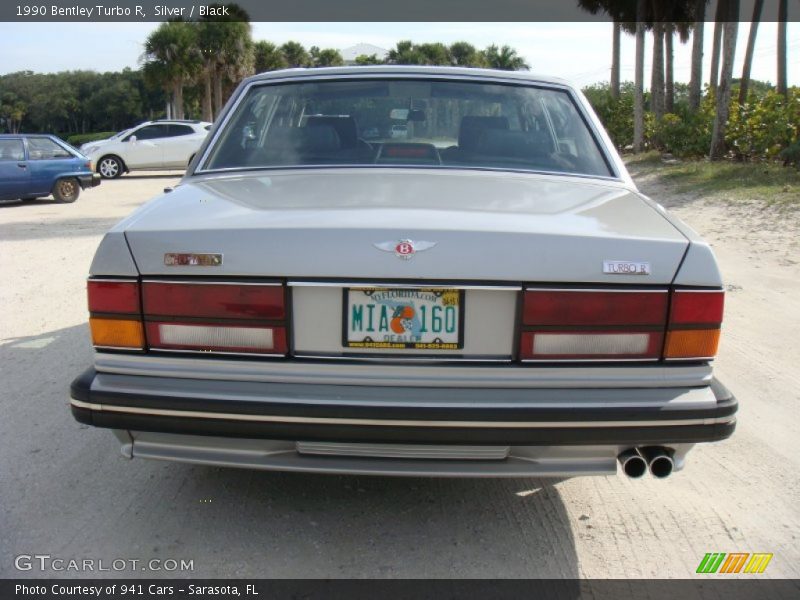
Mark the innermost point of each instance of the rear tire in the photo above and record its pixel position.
(110, 167)
(67, 190)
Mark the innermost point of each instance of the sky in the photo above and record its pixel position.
(579, 52)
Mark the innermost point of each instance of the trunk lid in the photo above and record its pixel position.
(489, 226)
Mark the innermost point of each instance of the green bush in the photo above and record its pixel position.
(762, 127)
(791, 155)
(82, 138)
(615, 113)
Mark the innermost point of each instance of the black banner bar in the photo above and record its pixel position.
(338, 10)
(705, 587)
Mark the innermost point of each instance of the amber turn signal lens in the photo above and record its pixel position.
(692, 343)
(117, 333)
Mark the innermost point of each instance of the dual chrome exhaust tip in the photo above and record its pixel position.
(637, 461)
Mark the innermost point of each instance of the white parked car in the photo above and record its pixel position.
(490, 296)
(152, 146)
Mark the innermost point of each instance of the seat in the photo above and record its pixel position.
(470, 132)
(345, 127)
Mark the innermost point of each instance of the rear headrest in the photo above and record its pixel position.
(516, 144)
(345, 127)
(469, 133)
(320, 138)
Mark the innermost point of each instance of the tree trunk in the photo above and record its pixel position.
(177, 96)
(713, 76)
(218, 91)
(638, 102)
(669, 86)
(748, 57)
(696, 83)
(208, 111)
(615, 60)
(731, 30)
(782, 16)
(657, 75)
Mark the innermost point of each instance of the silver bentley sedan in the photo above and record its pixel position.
(475, 288)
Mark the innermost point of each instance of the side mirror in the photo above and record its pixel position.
(132, 138)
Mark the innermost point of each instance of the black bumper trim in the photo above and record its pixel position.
(603, 433)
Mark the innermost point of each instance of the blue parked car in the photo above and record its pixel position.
(35, 166)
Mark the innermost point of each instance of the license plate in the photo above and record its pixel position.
(403, 318)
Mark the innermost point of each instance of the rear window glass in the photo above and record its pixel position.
(408, 122)
(44, 149)
(11, 150)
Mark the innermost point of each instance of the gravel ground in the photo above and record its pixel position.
(66, 492)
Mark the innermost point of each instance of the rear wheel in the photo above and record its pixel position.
(110, 167)
(67, 190)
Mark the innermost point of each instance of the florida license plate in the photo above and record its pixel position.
(403, 318)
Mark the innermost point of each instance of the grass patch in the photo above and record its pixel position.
(770, 183)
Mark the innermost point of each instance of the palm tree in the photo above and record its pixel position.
(620, 11)
(267, 57)
(328, 57)
(748, 56)
(782, 87)
(464, 54)
(730, 32)
(435, 54)
(172, 50)
(682, 28)
(505, 58)
(295, 54)
(719, 19)
(404, 53)
(696, 82)
(638, 101)
(615, 59)
(657, 72)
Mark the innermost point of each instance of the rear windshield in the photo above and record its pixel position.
(408, 122)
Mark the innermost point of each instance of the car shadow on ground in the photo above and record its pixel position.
(240, 523)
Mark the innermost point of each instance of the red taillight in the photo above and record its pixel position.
(578, 307)
(695, 318)
(597, 324)
(614, 324)
(221, 317)
(115, 314)
(215, 317)
(218, 301)
(113, 296)
(697, 307)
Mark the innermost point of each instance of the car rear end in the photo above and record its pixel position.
(404, 320)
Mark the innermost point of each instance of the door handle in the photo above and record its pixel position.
(22, 165)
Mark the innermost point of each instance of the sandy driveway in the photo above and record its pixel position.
(65, 491)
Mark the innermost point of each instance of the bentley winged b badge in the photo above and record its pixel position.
(404, 249)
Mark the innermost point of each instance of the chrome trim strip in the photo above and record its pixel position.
(127, 348)
(589, 360)
(194, 414)
(350, 284)
(337, 372)
(614, 290)
(215, 352)
(406, 358)
(206, 282)
(132, 279)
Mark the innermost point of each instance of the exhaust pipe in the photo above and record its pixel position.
(633, 463)
(659, 460)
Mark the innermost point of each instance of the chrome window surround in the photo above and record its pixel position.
(611, 163)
